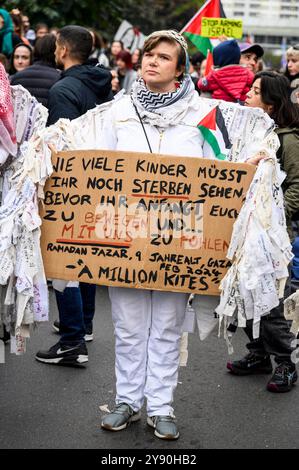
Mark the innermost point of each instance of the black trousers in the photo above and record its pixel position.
(275, 336)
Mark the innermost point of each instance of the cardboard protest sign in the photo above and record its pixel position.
(141, 220)
(215, 27)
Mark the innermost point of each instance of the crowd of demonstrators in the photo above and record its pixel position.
(39, 77)
(234, 66)
(16, 35)
(228, 80)
(148, 323)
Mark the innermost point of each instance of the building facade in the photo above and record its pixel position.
(272, 23)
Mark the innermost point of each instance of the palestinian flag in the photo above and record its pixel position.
(209, 64)
(215, 133)
(192, 30)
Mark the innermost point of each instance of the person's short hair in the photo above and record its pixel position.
(168, 36)
(44, 49)
(78, 40)
(293, 51)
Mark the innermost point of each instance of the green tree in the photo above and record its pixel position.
(106, 15)
(160, 14)
(102, 14)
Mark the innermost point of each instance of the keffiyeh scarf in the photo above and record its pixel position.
(7, 126)
(153, 101)
(162, 109)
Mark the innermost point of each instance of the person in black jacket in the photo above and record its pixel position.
(80, 88)
(41, 76)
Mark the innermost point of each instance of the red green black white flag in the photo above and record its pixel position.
(215, 133)
(192, 30)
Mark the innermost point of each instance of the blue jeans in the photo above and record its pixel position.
(76, 307)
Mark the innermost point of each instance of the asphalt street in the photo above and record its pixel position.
(52, 407)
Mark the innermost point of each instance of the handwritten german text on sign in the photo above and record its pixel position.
(141, 220)
(215, 27)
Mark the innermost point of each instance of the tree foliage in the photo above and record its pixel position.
(106, 15)
(160, 14)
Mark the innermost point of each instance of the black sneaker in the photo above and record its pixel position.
(87, 337)
(64, 355)
(283, 379)
(250, 364)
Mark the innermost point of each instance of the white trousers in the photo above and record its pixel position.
(148, 328)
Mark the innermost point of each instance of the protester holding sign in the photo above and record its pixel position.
(271, 92)
(148, 324)
(159, 117)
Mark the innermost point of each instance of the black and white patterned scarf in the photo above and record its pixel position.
(152, 102)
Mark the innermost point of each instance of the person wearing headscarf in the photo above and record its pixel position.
(21, 58)
(8, 38)
(148, 323)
